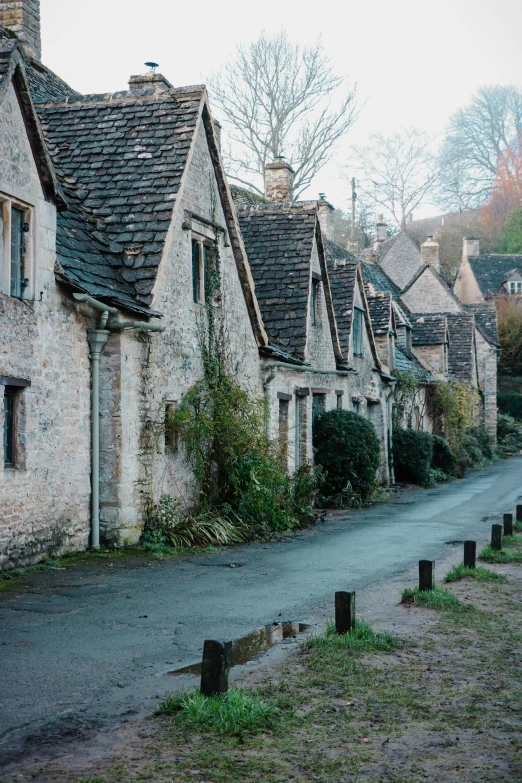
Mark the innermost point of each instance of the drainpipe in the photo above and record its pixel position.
(97, 339)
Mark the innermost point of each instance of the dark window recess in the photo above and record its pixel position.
(318, 405)
(196, 272)
(339, 402)
(356, 407)
(357, 331)
(284, 409)
(9, 427)
(315, 302)
(17, 252)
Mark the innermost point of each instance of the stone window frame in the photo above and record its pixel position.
(7, 204)
(284, 421)
(14, 387)
(206, 247)
(357, 330)
(315, 300)
(339, 393)
(514, 287)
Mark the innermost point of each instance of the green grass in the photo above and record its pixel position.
(13, 573)
(362, 639)
(512, 540)
(490, 555)
(439, 599)
(481, 574)
(236, 713)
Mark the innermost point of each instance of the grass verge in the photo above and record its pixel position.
(236, 713)
(362, 639)
(439, 599)
(461, 571)
(490, 555)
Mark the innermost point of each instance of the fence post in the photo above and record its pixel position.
(508, 524)
(217, 659)
(426, 575)
(496, 537)
(344, 612)
(470, 554)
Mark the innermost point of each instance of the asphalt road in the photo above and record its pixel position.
(83, 647)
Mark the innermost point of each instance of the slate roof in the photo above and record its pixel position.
(429, 329)
(486, 319)
(373, 274)
(409, 364)
(491, 270)
(380, 312)
(460, 354)
(244, 198)
(123, 156)
(279, 244)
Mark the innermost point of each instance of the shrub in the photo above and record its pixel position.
(347, 449)
(412, 456)
(474, 449)
(443, 457)
(509, 434)
(510, 403)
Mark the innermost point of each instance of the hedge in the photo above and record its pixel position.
(412, 455)
(347, 448)
(443, 457)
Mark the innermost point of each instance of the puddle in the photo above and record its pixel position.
(253, 645)
(453, 543)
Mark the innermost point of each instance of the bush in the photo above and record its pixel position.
(412, 456)
(510, 403)
(347, 449)
(474, 449)
(443, 457)
(509, 434)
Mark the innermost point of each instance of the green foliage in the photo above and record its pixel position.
(439, 599)
(347, 449)
(501, 556)
(412, 456)
(362, 639)
(509, 435)
(443, 458)
(454, 409)
(236, 712)
(511, 404)
(474, 449)
(165, 524)
(509, 314)
(480, 574)
(510, 237)
(407, 399)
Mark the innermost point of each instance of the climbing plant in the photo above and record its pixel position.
(410, 400)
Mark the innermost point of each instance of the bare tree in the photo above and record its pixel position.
(277, 98)
(476, 138)
(396, 171)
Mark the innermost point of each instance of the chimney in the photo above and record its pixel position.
(151, 83)
(470, 247)
(353, 244)
(279, 181)
(22, 17)
(325, 214)
(380, 231)
(430, 253)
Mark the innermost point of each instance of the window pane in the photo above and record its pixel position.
(17, 252)
(357, 331)
(314, 305)
(318, 405)
(196, 276)
(206, 268)
(8, 427)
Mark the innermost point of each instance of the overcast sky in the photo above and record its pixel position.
(415, 62)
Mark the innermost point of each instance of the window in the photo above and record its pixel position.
(17, 252)
(339, 401)
(14, 263)
(357, 331)
(515, 286)
(318, 405)
(202, 255)
(297, 457)
(9, 427)
(284, 406)
(314, 305)
(356, 406)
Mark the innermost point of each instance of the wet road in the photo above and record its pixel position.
(82, 647)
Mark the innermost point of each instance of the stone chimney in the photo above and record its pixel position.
(279, 181)
(148, 84)
(430, 253)
(380, 231)
(470, 247)
(325, 213)
(352, 244)
(22, 17)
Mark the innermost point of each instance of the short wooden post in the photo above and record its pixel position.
(344, 612)
(426, 575)
(508, 524)
(496, 536)
(217, 658)
(519, 513)
(470, 554)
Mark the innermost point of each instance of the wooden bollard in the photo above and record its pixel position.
(426, 575)
(508, 524)
(470, 554)
(217, 658)
(496, 536)
(519, 513)
(344, 612)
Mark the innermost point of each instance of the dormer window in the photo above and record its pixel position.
(515, 286)
(14, 266)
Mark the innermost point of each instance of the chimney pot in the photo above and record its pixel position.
(470, 247)
(279, 181)
(22, 17)
(380, 231)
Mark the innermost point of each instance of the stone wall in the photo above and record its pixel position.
(428, 295)
(487, 374)
(23, 18)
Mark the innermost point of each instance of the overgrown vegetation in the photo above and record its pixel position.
(236, 712)
(509, 435)
(509, 314)
(412, 455)
(362, 639)
(510, 553)
(510, 403)
(347, 450)
(438, 598)
(461, 571)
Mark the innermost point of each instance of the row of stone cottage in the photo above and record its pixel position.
(114, 207)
